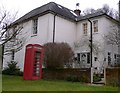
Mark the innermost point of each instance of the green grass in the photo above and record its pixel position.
(16, 83)
(0, 82)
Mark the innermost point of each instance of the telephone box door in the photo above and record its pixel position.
(33, 62)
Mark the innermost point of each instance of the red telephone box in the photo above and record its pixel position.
(33, 62)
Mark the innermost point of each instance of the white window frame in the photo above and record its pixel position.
(95, 26)
(85, 28)
(35, 26)
(79, 58)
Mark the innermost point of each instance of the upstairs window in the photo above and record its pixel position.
(95, 25)
(85, 28)
(35, 26)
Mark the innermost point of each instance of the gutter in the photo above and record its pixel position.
(54, 22)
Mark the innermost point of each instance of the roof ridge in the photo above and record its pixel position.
(60, 10)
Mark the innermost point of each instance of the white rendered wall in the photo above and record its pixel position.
(65, 31)
(104, 25)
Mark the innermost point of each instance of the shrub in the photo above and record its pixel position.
(57, 55)
(113, 81)
(84, 78)
(73, 79)
(96, 78)
(12, 69)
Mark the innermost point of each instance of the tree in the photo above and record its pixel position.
(113, 36)
(6, 33)
(106, 9)
(110, 11)
(57, 55)
(89, 11)
(85, 42)
(84, 46)
(12, 69)
(10, 35)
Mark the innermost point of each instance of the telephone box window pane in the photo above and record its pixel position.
(37, 64)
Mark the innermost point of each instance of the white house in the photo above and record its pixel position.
(55, 23)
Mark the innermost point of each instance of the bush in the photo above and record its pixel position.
(84, 78)
(73, 79)
(12, 69)
(77, 79)
(57, 55)
(96, 78)
(114, 81)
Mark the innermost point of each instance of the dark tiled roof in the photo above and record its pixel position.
(50, 7)
(56, 9)
(96, 14)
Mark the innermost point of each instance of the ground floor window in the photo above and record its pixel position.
(109, 58)
(83, 58)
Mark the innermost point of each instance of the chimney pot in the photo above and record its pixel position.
(77, 11)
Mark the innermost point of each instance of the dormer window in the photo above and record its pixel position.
(95, 25)
(35, 26)
(85, 27)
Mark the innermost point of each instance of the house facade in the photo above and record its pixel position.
(55, 23)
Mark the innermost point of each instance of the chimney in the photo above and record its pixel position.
(77, 11)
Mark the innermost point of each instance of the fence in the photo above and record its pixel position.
(113, 76)
(78, 74)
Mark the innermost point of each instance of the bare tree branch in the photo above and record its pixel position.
(10, 37)
(113, 36)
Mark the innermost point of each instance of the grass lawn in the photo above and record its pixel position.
(16, 83)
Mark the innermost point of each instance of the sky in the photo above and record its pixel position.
(24, 6)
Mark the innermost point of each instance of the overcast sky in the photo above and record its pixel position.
(24, 6)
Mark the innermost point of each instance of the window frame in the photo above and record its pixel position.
(95, 26)
(87, 55)
(85, 28)
(35, 26)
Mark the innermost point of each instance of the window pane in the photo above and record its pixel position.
(85, 28)
(88, 58)
(35, 24)
(78, 57)
(109, 58)
(95, 25)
